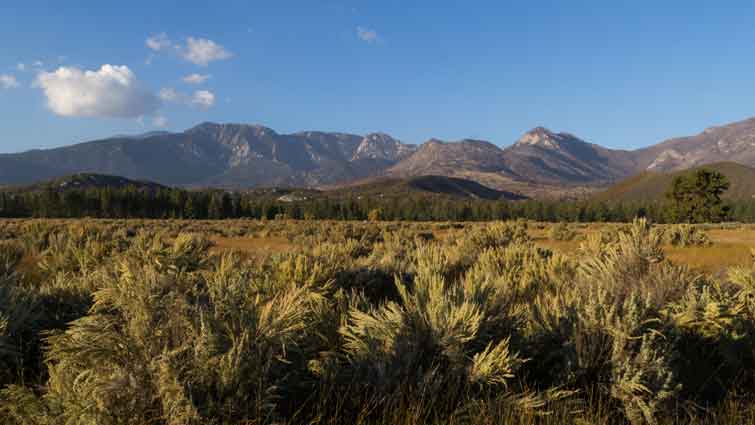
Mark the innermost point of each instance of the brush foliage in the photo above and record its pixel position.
(124, 323)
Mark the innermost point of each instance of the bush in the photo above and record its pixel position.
(375, 215)
(686, 235)
(10, 255)
(367, 323)
(495, 235)
(562, 232)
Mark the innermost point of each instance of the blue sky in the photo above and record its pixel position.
(622, 75)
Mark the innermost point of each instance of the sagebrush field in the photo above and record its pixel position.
(306, 322)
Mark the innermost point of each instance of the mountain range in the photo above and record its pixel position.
(238, 156)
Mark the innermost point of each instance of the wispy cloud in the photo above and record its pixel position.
(8, 81)
(367, 35)
(201, 51)
(196, 78)
(170, 95)
(202, 99)
(159, 42)
(111, 91)
(197, 50)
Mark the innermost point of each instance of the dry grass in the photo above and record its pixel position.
(255, 246)
(711, 259)
(731, 247)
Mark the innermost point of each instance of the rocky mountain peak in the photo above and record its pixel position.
(382, 146)
(433, 142)
(541, 136)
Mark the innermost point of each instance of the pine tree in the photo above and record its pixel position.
(696, 197)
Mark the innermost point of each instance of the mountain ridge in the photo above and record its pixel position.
(233, 155)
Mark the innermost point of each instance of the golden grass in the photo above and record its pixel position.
(711, 259)
(256, 246)
(731, 247)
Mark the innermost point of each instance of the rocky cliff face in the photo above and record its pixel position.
(380, 146)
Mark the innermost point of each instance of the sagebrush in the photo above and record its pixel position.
(143, 323)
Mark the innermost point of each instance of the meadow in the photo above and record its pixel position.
(327, 322)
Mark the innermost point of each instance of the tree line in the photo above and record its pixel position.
(181, 204)
(695, 197)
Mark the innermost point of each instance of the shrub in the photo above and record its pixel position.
(562, 232)
(686, 235)
(438, 339)
(19, 319)
(495, 235)
(367, 323)
(606, 328)
(375, 215)
(10, 255)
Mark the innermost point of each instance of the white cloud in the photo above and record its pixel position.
(160, 121)
(38, 64)
(367, 35)
(8, 81)
(171, 95)
(111, 91)
(159, 42)
(196, 78)
(202, 99)
(201, 51)
(21, 66)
